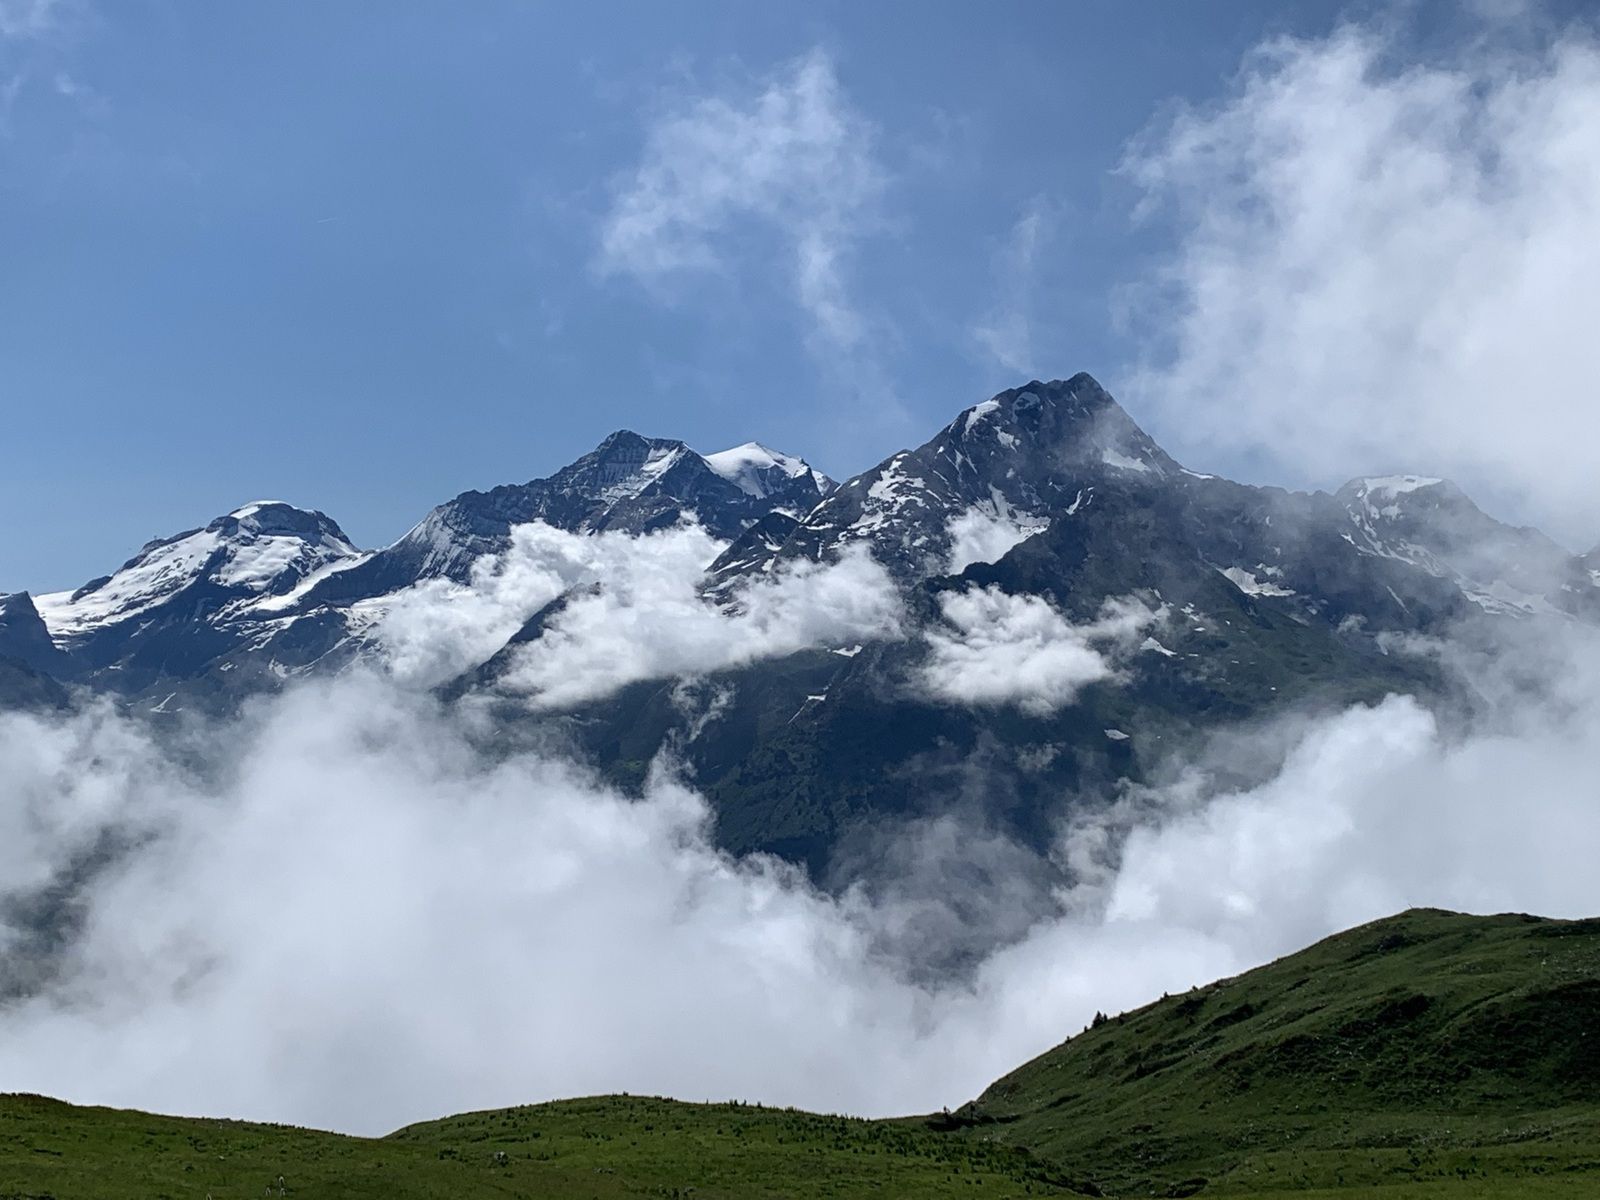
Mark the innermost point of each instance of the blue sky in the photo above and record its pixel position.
(363, 258)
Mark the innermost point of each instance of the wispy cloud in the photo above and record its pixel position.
(790, 155)
(9, 91)
(35, 38)
(1005, 332)
(28, 18)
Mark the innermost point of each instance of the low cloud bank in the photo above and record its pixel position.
(349, 917)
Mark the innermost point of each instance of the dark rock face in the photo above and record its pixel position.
(24, 689)
(25, 640)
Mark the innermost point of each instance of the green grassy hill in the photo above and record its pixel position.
(1427, 1057)
(1427, 1048)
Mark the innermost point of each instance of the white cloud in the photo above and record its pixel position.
(633, 611)
(1376, 811)
(1000, 649)
(793, 158)
(367, 922)
(434, 631)
(1384, 264)
(649, 621)
(1005, 332)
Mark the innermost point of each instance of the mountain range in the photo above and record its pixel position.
(1212, 602)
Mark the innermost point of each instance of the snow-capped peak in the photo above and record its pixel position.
(755, 469)
(258, 549)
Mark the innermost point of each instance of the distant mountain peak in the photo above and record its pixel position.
(1386, 499)
(1000, 472)
(261, 548)
(759, 470)
(1073, 420)
(629, 483)
(1432, 524)
(278, 518)
(627, 443)
(725, 462)
(25, 638)
(625, 463)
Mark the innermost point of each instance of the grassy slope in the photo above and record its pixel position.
(1427, 1047)
(1427, 1057)
(606, 1147)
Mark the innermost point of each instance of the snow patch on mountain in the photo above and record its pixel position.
(629, 479)
(160, 570)
(284, 601)
(1113, 457)
(253, 565)
(1250, 585)
(1379, 497)
(1397, 485)
(977, 413)
(1506, 599)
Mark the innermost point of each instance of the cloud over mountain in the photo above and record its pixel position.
(1378, 256)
